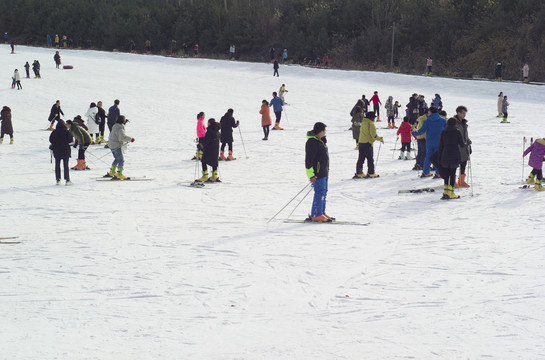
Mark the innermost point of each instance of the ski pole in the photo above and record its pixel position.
(97, 158)
(394, 152)
(523, 146)
(286, 113)
(299, 203)
(470, 175)
(289, 202)
(378, 154)
(242, 140)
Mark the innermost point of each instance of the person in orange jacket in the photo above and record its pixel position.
(265, 118)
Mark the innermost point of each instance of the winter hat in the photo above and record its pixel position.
(370, 115)
(319, 127)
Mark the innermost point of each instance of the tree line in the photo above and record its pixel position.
(463, 37)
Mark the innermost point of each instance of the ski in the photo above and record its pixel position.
(9, 242)
(8, 237)
(421, 190)
(334, 222)
(527, 186)
(127, 179)
(197, 184)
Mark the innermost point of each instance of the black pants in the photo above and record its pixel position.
(448, 175)
(229, 145)
(278, 115)
(19, 86)
(365, 153)
(463, 165)
(421, 154)
(391, 119)
(205, 168)
(505, 115)
(101, 127)
(3, 133)
(406, 146)
(266, 130)
(81, 151)
(275, 72)
(538, 173)
(376, 108)
(65, 169)
(110, 126)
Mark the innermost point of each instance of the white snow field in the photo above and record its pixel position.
(161, 270)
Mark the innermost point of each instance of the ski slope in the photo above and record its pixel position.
(160, 270)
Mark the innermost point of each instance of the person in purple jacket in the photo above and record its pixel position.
(537, 154)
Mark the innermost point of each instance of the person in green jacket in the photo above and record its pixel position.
(368, 135)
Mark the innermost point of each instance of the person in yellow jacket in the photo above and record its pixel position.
(421, 143)
(368, 135)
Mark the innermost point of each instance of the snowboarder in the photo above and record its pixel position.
(432, 127)
(317, 169)
(525, 71)
(101, 117)
(210, 148)
(504, 106)
(265, 118)
(82, 139)
(461, 125)
(60, 140)
(7, 125)
(281, 93)
(27, 69)
(389, 106)
(57, 59)
(368, 135)
(17, 78)
(357, 120)
(376, 105)
(278, 106)
(498, 72)
(113, 114)
(92, 122)
(429, 63)
(227, 124)
(448, 153)
(275, 67)
(55, 114)
(116, 142)
(201, 130)
(537, 155)
(405, 130)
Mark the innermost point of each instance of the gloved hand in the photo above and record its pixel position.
(132, 140)
(238, 123)
(75, 145)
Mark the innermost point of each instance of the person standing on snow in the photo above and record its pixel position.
(285, 56)
(7, 126)
(368, 135)
(432, 127)
(281, 93)
(275, 67)
(429, 63)
(525, 71)
(113, 114)
(405, 130)
(60, 140)
(277, 105)
(92, 122)
(389, 106)
(376, 104)
(227, 124)
(537, 155)
(57, 59)
(498, 72)
(210, 147)
(272, 54)
(27, 69)
(412, 108)
(448, 152)
(57, 41)
(500, 102)
(17, 79)
(55, 114)
(317, 169)
(461, 125)
(201, 130)
(326, 61)
(232, 52)
(504, 106)
(82, 139)
(436, 101)
(357, 120)
(101, 117)
(265, 118)
(116, 143)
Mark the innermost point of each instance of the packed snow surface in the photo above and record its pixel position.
(161, 270)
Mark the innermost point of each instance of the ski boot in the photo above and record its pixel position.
(222, 155)
(204, 176)
(359, 176)
(401, 153)
(462, 181)
(11, 141)
(531, 179)
(446, 192)
(437, 176)
(214, 177)
(451, 193)
(426, 175)
(320, 218)
(78, 165)
(119, 175)
(539, 185)
(230, 157)
(329, 217)
(111, 173)
(1, 140)
(372, 176)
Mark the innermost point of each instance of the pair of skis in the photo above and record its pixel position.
(7, 240)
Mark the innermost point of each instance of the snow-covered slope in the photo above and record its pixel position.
(160, 270)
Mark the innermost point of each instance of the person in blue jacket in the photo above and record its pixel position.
(433, 126)
(498, 72)
(277, 105)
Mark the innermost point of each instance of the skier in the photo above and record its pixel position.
(412, 107)
(27, 69)
(116, 142)
(60, 140)
(55, 113)
(368, 135)
(132, 47)
(7, 126)
(537, 155)
(113, 114)
(17, 79)
(101, 117)
(504, 106)
(265, 118)
(281, 93)
(376, 104)
(429, 63)
(148, 47)
(173, 47)
(357, 120)
(525, 71)
(396, 109)
(421, 144)
(461, 125)
(326, 61)
(317, 169)
(389, 106)
(36, 69)
(271, 54)
(196, 50)
(448, 152)
(227, 124)
(277, 105)
(285, 56)
(232, 52)
(57, 41)
(82, 139)
(201, 130)
(498, 72)
(500, 103)
(432, 127)
(92, 122)
(422, 106)
(275, 67)
(48, 40)
(210, 148)
(57, 59)
(12, 44)
(6, 38)
(186, 49)
(405, 130)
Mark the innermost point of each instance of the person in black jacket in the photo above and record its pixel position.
(55, 114)
(317, 167)
(449, 157)
(210, 147)
(60, 140)
(275, 67)
(101, 117)
(113, 114)
(412, 108)
(227, 124)
(57, 59)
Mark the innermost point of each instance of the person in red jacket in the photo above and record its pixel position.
(376, 104)
(405, 130)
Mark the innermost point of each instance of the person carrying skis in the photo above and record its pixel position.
(55, 114)
(376, 104)
(405, 130)
(281, 93)
(201, 130)
(537, 156)
(317, 169)
(368, 135)
(448, 152)
(210, 147)
(7, 125)
(116, 142)
(389, 106)
(461, 125)
(432, 127)
(27, 69)
(92, 122)
(227, 124)
(82, 139)
(57, 58)
(101, 117)
(278, 106)
(60, 140)
(504, 106)
(265, 118)
(113, 114)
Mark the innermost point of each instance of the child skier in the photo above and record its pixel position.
(201, 130)
(60, 140)
(504, 106)
(376, 104)
(27, 69)
(537, 154)
(57, 58)
(405, 130)
(265, 118)
(396, 109)
(210, 148)
(227, 124)
(116, 143)
(7, 126)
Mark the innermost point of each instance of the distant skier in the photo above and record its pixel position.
(132, 46)
(101, 117)
(266, 121)
(116, 142)
(82, 140)
(504, 106)
(525, 71)
(376, 104)
(6, 38)
(429, 63)
(210, 147)
(196, 50)
(285, 56)
(113, 114)
(326, 61)
(173, 47)
(55, 114)
(57, 59)
(17, 78)
(389, 106)
(12, 45)
(227, 124)
(498, 72)
(277, 105)
(405, 130)
(432, 127)
(27, 69)
(36, 69)
(60, 140)
(232, 52)
(92, 122)
(537, 156)
(368, 135)
(500, 103)
(281, 93)
(317, 169)
(448, 152)
(48, 40)
(7, 125)
(275, 67)
(148, 47)
(57, 41)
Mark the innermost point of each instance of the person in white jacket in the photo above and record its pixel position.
(92, 123)
(116, 143)
(17, 78)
